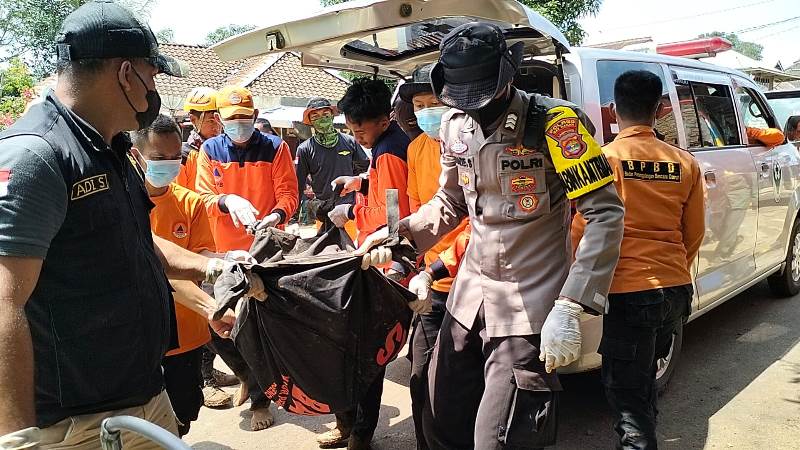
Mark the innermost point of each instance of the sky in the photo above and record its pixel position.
(618, 19)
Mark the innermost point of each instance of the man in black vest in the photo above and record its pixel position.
(86, 313)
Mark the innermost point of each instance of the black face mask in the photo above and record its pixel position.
(147, 117)
(487, 115)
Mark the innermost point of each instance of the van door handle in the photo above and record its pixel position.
(711, 178)
(765, 170)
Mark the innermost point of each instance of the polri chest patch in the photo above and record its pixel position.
(668, 171)
(89, 186)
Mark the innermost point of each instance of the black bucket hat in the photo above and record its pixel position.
(420, 82)
(101, 29)
(474, 65)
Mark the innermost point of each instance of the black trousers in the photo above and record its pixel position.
(423, 341)
(184, 386)
(488, 393)
(637, 331)
(228, 352)
(364, 418)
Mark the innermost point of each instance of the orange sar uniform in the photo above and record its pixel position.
(661, 188)
(179, 216)
(388, 170)
(769, 137)
(262, 172)
(424, 170)
(190, 150)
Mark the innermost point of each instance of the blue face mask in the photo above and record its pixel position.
(161, 173)
(430, 120)
(239, 130)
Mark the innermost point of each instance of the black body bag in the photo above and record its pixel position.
(327, 327)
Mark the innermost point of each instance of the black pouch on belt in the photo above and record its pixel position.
(531, 419)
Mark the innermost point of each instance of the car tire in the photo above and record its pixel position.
(665, 367)
(787, 282)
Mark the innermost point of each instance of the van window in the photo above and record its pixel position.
(607, 74)
(715, 115)
(754, 114)
(691, 126)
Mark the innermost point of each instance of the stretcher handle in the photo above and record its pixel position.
(110, 433)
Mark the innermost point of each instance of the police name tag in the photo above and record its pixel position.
(89, 186)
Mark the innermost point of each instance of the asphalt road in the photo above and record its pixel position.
(737, 386)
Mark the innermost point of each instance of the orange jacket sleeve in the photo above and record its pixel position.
(770, 137)
(450, 258)
(284, 180)
(413, 192)
(693, 221)
(391, 172)
(206, 186)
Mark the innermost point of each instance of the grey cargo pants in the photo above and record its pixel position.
(488, 393)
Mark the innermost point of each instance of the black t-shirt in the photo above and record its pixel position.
(324, 164)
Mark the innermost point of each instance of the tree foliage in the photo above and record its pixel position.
(28, 28)
(222, 33)
(563, 13)
(16, 90)
(749, 49)
(165, 35)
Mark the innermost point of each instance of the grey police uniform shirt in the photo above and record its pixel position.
(518, 260)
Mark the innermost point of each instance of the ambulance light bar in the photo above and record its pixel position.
(698, 48)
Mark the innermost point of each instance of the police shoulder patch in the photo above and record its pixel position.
(578, 159)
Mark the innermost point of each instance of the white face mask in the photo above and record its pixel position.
(161, 173)
(239, 130)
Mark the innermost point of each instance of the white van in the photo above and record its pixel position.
(751, 191)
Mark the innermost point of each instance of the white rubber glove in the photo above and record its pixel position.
(240, 256)
(351, 184)
(269, 221)
(214, 269)
(340, 214)
(421, 286)
(561, 335)
(378, 256)
(242, 212)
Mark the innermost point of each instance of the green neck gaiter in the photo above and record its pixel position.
(324, 133)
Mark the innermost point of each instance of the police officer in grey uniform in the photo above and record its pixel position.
(510, 162)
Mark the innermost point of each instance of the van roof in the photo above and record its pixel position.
(588, 53)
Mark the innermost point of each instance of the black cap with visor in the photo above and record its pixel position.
(102, 29)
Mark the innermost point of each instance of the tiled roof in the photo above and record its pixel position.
(285, 77)
(205, 69)
(288, 78)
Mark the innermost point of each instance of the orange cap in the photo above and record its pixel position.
(234, 100)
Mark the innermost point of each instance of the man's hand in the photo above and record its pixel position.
(561, 335)
(421, 286)
(379, 256)
(223, 326)
(340, 214)
(350, 184)
(242, 212)
(268, 221)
